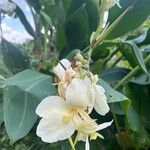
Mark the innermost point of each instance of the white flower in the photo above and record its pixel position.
(7, 7)
(92, 135)
(61, 117)
(111, 3)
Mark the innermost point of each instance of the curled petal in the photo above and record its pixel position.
(61, 68)
(104, 125)
(54, 129)
(65, 63)
(101, 105)
(51, 104)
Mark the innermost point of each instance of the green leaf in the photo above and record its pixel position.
(139, 95)
(72, 54)
(114, 74)
(22, 94)
(101, 51)
(143, 79)
(2, 80)
(135, 17)
(135, 54)
(35, 4)
(76, 29)
(147, 39)
(47, 19)
(92, 11)
(114, 96)
(14, 59)
(24, 21)
(127, 51)
(1, 114)
(139, 57)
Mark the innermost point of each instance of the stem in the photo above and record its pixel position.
(111, 55)
(131, 74)
(115, 120)
(71, 143)
(85, 50)
(45, 47)
(102, 11)
(116, 61)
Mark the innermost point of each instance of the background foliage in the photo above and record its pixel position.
(121, 59)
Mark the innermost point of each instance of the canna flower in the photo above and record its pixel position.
(97, 97)
(61, 117)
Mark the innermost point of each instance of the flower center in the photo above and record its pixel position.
(68, 116)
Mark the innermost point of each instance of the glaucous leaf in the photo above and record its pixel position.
(22, 94)
(133, 19)
(15, 59)
(24, 21)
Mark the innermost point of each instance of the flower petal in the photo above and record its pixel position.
(51, 104)
(77, 93)
(104, 125)
(54, 129)
(101, 105)
(59, 71)
(65, 63)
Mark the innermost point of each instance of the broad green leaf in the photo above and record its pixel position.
(35, 4)
(114, 74)
(127, 51)
(24, 21)
(92, 11)
(22, 94)
(134, 54)
(76, 29)
(133, 19)
(139, 57)
(143, 79)
(15, 59)
(139, 94)
(101, 51)
(47, 19)
(140, 111)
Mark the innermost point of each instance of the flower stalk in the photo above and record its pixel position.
(131, 74)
